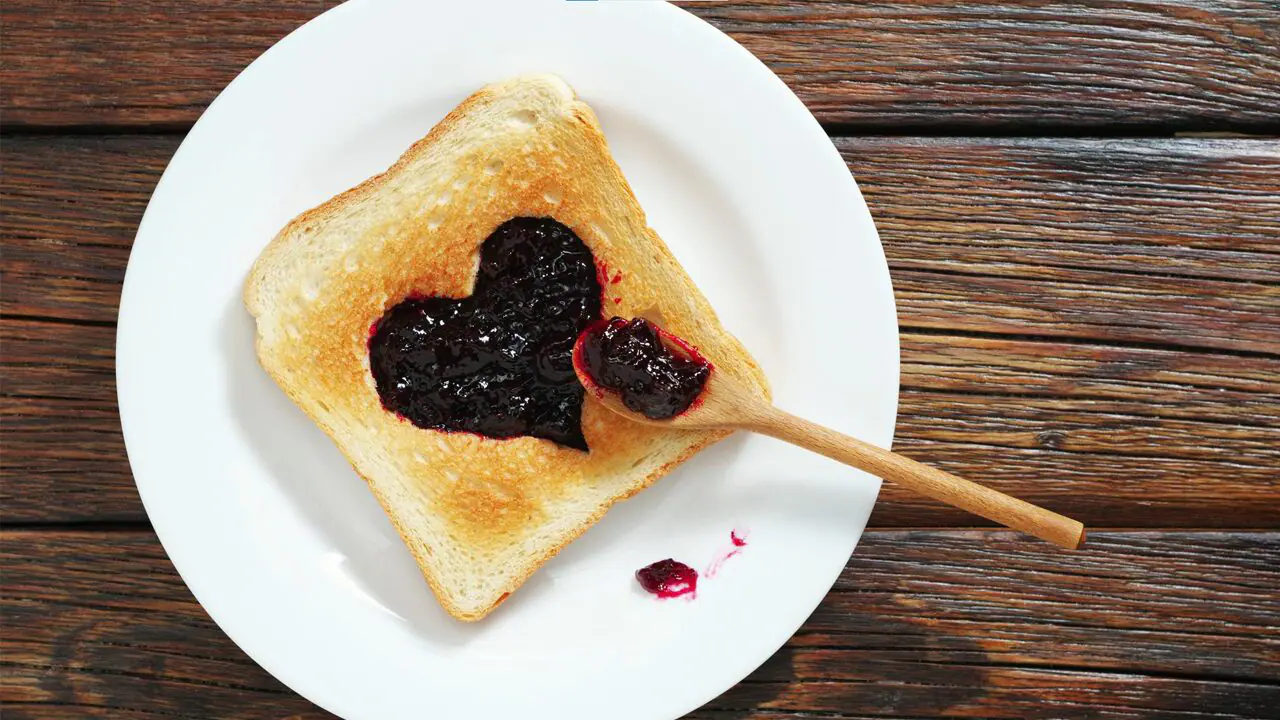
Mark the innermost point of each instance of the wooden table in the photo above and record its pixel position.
(1081, 208)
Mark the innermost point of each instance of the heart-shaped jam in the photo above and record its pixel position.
(500, 362)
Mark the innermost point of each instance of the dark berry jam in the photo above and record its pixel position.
(630, 357)
(668, 578)
(500, 362)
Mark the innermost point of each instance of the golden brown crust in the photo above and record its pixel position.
(474, 511)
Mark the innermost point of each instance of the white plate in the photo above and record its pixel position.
(283, 544)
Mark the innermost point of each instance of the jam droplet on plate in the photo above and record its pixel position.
(668, 578)
(634, 359)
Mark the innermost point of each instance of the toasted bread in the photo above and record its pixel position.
(480, 515)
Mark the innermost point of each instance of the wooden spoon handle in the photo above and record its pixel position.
(951, 489)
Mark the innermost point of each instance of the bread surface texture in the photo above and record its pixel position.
(479, 515)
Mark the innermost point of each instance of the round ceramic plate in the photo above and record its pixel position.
(284, 545)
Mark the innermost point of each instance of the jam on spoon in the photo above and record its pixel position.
(636, 360)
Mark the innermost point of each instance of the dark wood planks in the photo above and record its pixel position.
(99, 624)
(1147, 273)
(69, 208)
(924, 624)
(1001, 65)
(1166, 241)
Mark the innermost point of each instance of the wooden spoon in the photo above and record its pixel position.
(725, 404)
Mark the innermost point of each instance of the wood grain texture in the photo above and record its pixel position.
(922, 624)
(1159, 241)
(1146, 272)
(897, 64)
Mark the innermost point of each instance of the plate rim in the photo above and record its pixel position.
(265, 660)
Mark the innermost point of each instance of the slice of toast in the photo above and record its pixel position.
(480, 515)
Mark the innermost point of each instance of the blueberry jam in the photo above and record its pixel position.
(668, 578)
(500, 362)
(631, 358)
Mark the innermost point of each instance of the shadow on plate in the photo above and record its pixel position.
(334, 500)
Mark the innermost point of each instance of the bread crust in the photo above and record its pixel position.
(479, 515)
